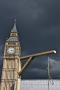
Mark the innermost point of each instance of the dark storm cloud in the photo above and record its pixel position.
(38, 23)
(54, 12)
(32, 10)
(1, 57)
(37, 69)
(54, 68)
(35, 73)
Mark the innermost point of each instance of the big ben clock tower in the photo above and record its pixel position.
(11, 62)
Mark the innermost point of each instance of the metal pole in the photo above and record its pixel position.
(48, 73)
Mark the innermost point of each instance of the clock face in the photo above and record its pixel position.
(11, 50)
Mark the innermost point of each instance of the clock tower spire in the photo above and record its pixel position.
(14, 29)
(14, 33)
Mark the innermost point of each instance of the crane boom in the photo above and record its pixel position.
(30, 58)
(39, 54)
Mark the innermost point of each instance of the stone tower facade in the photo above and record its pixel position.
(11, 62)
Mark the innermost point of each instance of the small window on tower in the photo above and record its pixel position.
(13, 34)
(17, 48)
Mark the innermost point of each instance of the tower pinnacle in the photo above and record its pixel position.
(14, 29)
(15, 20)
(14, 33)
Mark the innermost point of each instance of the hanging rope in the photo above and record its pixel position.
(49, 74)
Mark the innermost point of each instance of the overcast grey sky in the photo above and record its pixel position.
(38, 24)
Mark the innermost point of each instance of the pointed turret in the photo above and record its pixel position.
(14, 33)
(14, 29)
